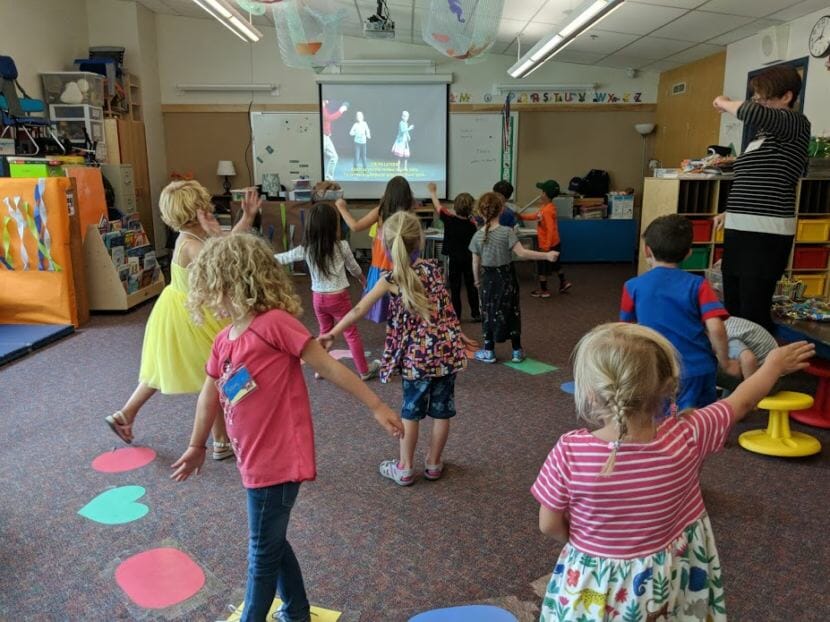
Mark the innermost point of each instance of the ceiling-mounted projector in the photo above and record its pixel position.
(380, 25)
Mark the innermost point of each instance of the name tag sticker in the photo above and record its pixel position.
(755, 144)
(238, 385)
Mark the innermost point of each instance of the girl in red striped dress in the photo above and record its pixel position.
(625, 498)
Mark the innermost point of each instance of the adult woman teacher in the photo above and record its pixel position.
(759, 220)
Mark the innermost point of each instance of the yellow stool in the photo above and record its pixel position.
(777, 439)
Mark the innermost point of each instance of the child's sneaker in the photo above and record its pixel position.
(486, 356)
(540, 293)
(222, 451)
(433, 472)
(372, 372)
(518, 356)
(392, 470)
(564, 286)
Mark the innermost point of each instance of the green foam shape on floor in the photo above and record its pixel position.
(532, 367)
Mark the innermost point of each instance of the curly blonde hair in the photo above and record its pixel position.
(181, 200)
(623, 372)
(235, 276)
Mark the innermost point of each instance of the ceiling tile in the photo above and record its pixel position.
(696, 53)
(558, 12)
(600, 42)
(639, 19)
(800, 9)
(662, 65)
(522, 9)
(578, 58)
(620, 61)
(699, 26)
(157, 6)
(681, 4)
(743, 32)
(655, 47)
(756, 8)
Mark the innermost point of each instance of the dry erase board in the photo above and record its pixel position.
(286, 143)
(476, 151)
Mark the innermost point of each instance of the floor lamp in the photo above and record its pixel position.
(644, 129)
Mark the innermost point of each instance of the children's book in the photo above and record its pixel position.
(150, 260)
(118, 256)
(135, 265)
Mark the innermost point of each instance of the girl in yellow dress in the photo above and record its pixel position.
(175, 349)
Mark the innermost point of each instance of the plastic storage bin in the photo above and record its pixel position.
(73, 87)
(813, 284)
(719, 236)
(701, 230)
(698, 260)
(813, 230)
(717, 254)
(79, 112)
(811, 258)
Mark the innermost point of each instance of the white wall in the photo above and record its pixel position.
(193, 50)
(130, 25)
(744, 56)
(38, 43)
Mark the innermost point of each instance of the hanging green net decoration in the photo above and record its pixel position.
(256, 7)
(309, 32)
(462, 29)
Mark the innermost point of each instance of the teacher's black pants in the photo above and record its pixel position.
(461, 271)
(752, 265)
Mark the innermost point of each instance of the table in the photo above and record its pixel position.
(787, 330)
(434, 237)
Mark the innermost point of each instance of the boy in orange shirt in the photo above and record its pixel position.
(547, 230)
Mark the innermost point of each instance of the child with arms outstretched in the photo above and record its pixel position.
(255, 377)
(423, 345)
(493, 247)
(625, 497)
(328, 257)
(175, 349)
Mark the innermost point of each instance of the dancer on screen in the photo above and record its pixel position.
(328, 146)
(361, 133)
(401, 147)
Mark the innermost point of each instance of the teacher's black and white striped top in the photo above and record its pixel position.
(762, 198)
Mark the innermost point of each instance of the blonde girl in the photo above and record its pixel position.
(175, 349)
(397, 197)
(493, 247)
(255, 377)
(625, 496)
(423, 345)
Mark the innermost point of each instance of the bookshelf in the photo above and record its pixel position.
(701, 199)
(121, 267)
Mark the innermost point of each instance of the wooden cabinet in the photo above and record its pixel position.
(701, 199)
(126, 144)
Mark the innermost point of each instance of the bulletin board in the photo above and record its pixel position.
(286, 143)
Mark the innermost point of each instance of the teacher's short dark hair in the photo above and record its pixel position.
(669, 238)
(775, 82)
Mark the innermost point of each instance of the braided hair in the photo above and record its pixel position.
(623, 372)
(490, 205)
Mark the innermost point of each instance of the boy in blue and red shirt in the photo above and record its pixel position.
(683, 308)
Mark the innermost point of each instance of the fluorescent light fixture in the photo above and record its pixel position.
(227, 15)
(228, 87)
(507, 88)
(589, 14)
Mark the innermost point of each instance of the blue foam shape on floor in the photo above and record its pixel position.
(17, 340)
(466, 613)
(568, 387)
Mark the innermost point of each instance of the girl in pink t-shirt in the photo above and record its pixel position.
(625, 498)
(254, 376)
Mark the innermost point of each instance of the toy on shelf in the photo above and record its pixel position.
(462, 29)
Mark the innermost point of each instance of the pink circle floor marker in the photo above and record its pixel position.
(159, 578)
(124, 459)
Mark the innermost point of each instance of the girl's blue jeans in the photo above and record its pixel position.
(272, 566)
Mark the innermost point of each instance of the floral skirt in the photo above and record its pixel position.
(681, 582)
(501, 317)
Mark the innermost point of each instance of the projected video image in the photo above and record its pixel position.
(376, 131)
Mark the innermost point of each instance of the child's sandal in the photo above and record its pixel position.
(222, 451)
(118, 423)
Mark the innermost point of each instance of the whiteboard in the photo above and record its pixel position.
(475, 144)
(286, 143)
